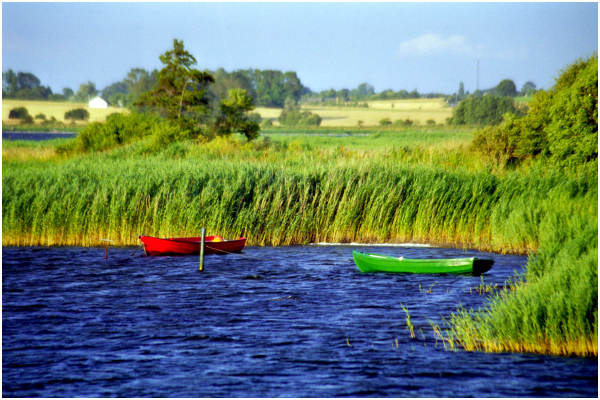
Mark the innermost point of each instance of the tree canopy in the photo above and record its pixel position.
(180, 92)
(485, 109)
(23, 85)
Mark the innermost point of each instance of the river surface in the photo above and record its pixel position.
(298, 321)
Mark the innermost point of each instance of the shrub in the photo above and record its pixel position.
(79, 114)
(120, 129)
(406, 122)
(561, 124)
(41, 117)
(385, 122)
(430, 122)
(266, 123)
(292, 116)
(19, 113)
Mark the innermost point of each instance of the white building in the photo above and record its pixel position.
(97, 102)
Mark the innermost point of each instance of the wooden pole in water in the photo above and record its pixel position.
(201, 266)
(106, 241)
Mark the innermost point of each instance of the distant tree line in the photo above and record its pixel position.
(268, 88)
(506, 88)
(362, 93)
(24, 85)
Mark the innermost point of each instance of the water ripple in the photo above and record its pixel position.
(296, 321)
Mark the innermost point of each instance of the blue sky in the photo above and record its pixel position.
(430, 47)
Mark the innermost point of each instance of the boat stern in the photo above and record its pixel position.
(481, 266)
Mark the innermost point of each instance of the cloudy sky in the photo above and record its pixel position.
(430, 47)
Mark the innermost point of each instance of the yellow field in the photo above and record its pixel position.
(56, 109)
(417, 110)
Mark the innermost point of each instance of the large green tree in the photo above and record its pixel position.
(506, 88)
(180, 93)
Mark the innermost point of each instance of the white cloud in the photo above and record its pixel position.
(431, 43)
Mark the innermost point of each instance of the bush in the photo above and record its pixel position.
(121, 129)
(406, 122)
(292, 116)
(561, 124)
(19, 113)
(266, 123)
(79, 114)
(41, 117)
(385, 122)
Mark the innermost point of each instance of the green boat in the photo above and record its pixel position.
(367, 262)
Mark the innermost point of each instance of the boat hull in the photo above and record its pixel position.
(190, 245)
(367, 262)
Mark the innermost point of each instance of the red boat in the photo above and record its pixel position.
(190, 245)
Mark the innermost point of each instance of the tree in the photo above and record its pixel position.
(233, 115)
(461, 91)
(528, 89)
(292, 87)
(68, 93)
(138, 81)
(9, 83)
(482, 110)
(23, 85)
(26, 80)
(506, 88)
(86, 92)
(115, 93)
(362, 91)
(225, 81)
(180, 93)
(561, 124)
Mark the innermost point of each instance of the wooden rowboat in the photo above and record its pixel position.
(183, 246)
(367, 262)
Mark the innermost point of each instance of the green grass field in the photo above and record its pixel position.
(56, 109)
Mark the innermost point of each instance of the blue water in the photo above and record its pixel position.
(7, 135)
(272, 322)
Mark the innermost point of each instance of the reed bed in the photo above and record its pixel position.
(299, 200)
